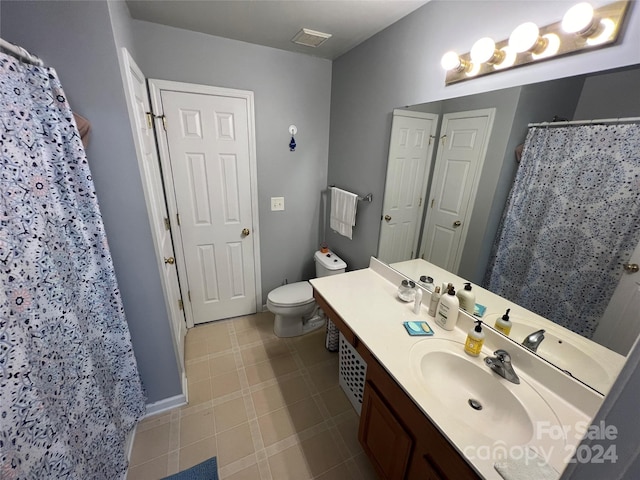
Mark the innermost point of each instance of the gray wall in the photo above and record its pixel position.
(400, 66)
(289, 88)
(76, 39)
(610, 96)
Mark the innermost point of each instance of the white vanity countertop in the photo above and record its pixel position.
(366, 300)
(600, 375)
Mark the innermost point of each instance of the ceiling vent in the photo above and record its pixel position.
(310, 38)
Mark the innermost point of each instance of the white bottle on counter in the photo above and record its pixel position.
(418, 301)
(447, 312)
(433, 303)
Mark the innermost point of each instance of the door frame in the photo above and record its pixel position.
(490, 113)
(435, 119)
(156, 87)
(152, 202)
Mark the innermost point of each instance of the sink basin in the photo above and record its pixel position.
(563, 354)
(455, 385)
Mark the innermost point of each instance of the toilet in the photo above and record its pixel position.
(293, 304)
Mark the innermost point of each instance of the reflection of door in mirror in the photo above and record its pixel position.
(622, 312)
(459, 159)
(410, 153)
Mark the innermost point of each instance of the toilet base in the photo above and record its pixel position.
(294, 326)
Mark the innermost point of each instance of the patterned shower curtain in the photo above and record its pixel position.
(70, 392)
(572, 220)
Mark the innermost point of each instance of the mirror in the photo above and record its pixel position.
(609, 94)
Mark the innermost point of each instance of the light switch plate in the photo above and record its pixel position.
(277, 203)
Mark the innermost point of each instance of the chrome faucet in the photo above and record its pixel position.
(532, 342)
(501, 364)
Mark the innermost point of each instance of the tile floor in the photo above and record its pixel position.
(268, 408)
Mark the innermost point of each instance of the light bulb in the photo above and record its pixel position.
(484, 50)
(450, 61)
(525, 38)
(578, 18)
(473, 69)
(553, 45)
(510, 56)
(608, 26)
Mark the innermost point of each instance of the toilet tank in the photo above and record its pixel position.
(328, 264)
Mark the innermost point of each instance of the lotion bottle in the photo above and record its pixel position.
(504, 324)
(475, 340)
(447, 312)
(433, 303)
(467, 298)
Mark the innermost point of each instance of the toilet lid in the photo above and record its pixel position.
(292, 294)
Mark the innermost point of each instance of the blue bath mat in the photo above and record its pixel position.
(207, 470)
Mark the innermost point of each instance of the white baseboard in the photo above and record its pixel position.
(165, 404)
(128, 446)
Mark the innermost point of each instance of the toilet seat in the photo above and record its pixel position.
(291, 295)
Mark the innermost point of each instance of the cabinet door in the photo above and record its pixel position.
(383, 438)
(422, 468)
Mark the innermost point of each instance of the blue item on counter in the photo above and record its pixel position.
(421, 328)
(478, 310)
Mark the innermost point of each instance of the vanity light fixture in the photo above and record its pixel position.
(582, 28)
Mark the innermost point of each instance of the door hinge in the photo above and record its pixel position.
(178, 218)
(164, 121)
(189, 295)
(420, 202)
(431, 137)
(180, 304)
(443, 138)
(149, 116)
(167, 224)
(433, 200)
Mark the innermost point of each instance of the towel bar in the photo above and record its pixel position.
(367, 198)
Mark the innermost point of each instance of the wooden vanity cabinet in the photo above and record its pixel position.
(428, 456)
(400, 441)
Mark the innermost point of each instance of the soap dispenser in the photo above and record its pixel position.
(447, 312)
(467, 298)
(504, 324)
(475, 340)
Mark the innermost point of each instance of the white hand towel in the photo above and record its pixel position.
(343, 211)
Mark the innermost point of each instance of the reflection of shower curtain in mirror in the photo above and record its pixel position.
(572, 220)
(70, 392)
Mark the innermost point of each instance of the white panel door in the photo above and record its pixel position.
(623, 312)
(461, 152)
(408, 166)
(209, 149)
(144, 139)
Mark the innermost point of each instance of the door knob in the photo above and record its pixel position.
(457, 223)
(245, 231)
(170, 260)
(387, 218)
(631, 267)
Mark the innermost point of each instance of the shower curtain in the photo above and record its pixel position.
(572, 220)
(70, 392)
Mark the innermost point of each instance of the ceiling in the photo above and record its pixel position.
(274, 23)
